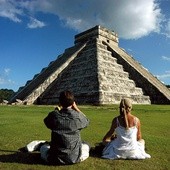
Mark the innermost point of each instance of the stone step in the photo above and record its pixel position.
(151, 80)
(36, 87)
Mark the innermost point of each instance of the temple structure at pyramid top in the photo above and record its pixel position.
(97, 71)
(98, 32)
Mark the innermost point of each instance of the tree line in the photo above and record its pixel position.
(6, 94)
(168, 86)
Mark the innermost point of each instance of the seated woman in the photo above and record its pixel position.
(124, 139)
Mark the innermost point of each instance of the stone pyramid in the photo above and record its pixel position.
(97, 71)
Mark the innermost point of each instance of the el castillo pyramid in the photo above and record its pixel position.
(97, 71)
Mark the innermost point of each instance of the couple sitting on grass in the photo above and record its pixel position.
(122, 141)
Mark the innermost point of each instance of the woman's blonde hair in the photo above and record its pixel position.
(126, 107)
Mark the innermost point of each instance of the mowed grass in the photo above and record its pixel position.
(21, 124)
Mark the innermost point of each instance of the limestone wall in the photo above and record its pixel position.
(158, 92)
(114, 82)
(95, 77)
(35, 87)
(80, 77)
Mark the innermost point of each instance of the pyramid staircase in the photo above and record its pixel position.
(158, 92)
(97, 71)
(35, 87)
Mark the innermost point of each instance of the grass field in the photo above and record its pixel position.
(21, 124)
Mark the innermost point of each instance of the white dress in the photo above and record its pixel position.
(125, 146)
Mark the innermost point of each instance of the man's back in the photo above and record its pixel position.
(65, 144)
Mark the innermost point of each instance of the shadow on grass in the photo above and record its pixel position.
(20, 157)
(29, 158)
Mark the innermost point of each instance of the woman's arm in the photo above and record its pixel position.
(109, 134)
(139, 134)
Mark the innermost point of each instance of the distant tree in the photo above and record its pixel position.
(5, 94)
(168, 86)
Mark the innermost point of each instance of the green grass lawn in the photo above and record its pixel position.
(20, 125)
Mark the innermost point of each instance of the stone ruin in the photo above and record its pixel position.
(97, 71)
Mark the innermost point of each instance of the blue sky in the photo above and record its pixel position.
(34, 32)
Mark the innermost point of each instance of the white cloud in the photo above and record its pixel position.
(9, 10)
(34, 23)
(164, 77)
(130, 19)
(7, 71)
(166, 58)
(16, 10)
(4, 81)
(4, 77)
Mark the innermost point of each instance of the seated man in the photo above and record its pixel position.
(66, 146)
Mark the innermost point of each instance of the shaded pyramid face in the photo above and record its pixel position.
(97, 71)
(80, 76)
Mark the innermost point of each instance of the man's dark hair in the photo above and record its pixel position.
(66, 98)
